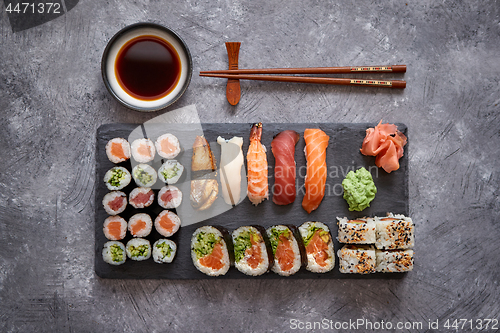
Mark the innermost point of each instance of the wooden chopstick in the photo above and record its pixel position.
(315, 70)
(397, 84)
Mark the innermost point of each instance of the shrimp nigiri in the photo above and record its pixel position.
(316, 144)
(257, 167)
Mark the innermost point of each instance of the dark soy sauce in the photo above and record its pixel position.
(148, 68)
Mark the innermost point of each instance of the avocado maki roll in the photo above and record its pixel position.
(170, 172)
(138, 249)
(113, 253)
(144, 175)
(117, 178)
(164, 251)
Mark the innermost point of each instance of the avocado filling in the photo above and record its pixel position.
(170, 172)
(117, 176)
(116, 253)
(322, 234)
(143, 176)
(359, 189)
(243, 242)
(165, 249)
(275, 236)
(205, 243)
(139, 251)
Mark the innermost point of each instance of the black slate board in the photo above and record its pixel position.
(342, 156)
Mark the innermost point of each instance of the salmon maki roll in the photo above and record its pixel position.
(143, 150)
(118, 150)
(316, 144)
(319, 247)
(140, 225)
(167, 146)
(287, 253)
(167, 223)
(115, 228)
(251, 251)
(209, 251)
(114, 202)
(141, 197)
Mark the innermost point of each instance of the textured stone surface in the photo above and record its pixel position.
(52, 100)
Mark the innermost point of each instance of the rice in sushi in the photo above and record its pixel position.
(286, 251)
(138, 249)
(319, 247)
(359, 259)
(164, 251)
(250, 251)
(209, 251)
(118, 150)
(144, 175)
(114, 202)
(113, 253)
(141, 197)
(358, 231)
(167, 223)
(169, 197)
(117, 178)
(167, 146)
(394, 232)
(170, 172)
(140, 225)
(394, 261)
(115, 228)
(143, 150)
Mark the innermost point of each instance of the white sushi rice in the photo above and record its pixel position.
(164, 251)
(176, 197)
(141, 158)
(113, 253)
(123, 227)
(144, 175)
(139, 190)
(173, 140)
(394, 261)
(394, 232)
(242, 265)
(358, 231)
(170, 171)
(125, 147)
(206, 230)
(138, 249)
(137, 218)
(295, 247)
(110, 197)
(117, 178)
(358, 259)
(173, 218)
(312, 265)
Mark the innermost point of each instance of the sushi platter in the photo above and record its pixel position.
(342, 155)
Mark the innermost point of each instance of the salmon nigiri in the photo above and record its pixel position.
(283, 148)
(316, 144)
(257, 167)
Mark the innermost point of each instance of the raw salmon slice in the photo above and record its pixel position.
(138, 226)
(214, 259)
(284, 253)
(115, 229)
(254, 253)
(318, 248)
(117, 150)
(316, 144)
(166, 223)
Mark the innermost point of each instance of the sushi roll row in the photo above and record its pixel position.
(139, 249)
(143, 150)
(167, 223)
(283, 249)
(115, 202)
(378, 244)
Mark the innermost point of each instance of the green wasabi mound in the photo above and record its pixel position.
(359, 189)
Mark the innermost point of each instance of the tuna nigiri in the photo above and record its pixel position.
(283, 148)
(257, 167)
(316, 144)
(231, 161)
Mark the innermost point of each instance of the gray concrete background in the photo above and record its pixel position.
(52, 100)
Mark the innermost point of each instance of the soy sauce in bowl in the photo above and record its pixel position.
(148, 67)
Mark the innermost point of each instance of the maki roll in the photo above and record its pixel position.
(167, 223)
(144, 175)
(138, 249)
(140, 225)
(114, 202)
(357, 259)
(359, 231)
(319, 247)
(118, 150)
(113, 253)
(170, 172)
(169, 197)
(164, 251)
(394, 261)
(115, 228)
(143, 150)
(117, 178)
(251, 251)
(168, 146)
(209, 251)
(141, 197)
(287, 254)
(394, 232)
